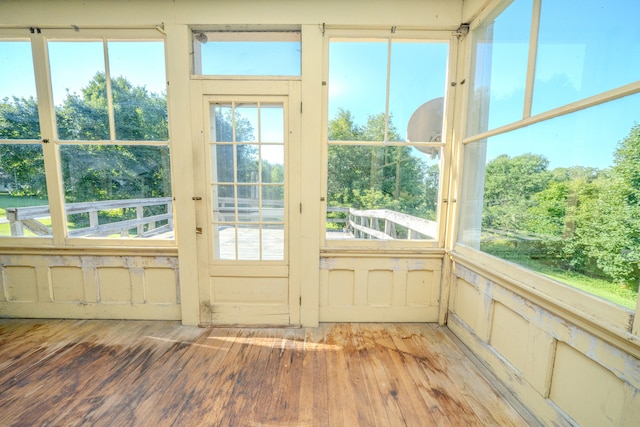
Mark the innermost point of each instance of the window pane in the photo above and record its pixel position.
(249, 54)
(79, 90)
(249, 238)
(224, 203)
(24, 206)
(138, 86)
(273, 242)
(247, 157)
(272, 123)
(417, 86)
(117, 191)
(246, 121)
(273, 203)
(222, 163)
(357, 90)
(402, 181)
(225, 244)
(221, 123)
(585, 50)
(500, 57)
(248, 202)
(562, 198)
(18, 99)
(272, 157)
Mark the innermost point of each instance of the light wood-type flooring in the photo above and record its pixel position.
(157, 373)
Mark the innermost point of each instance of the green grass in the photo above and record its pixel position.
(616, 293)
(8, 201)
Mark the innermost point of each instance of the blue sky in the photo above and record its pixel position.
(582, 51)
(358, 78)
(251, 58)
(73, 64)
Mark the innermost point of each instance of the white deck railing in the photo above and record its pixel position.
(383, 224)
(27, 218)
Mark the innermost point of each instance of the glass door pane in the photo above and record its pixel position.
(248, 181)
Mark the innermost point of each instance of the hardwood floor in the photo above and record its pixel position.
(123, 373)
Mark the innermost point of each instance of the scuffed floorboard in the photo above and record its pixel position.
(115, 373)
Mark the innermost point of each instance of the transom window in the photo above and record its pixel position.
(247, 53)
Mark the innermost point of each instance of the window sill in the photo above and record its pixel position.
(87, 250)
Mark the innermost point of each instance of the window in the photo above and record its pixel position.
(560, 194)
(247, 53)
(112, 93)
(109, 137)
(385, 138)
(24, 206)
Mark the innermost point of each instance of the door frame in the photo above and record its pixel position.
(200, 91)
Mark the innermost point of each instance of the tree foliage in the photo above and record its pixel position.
(581, 219)
(611, 221)
(510, 187)
(91, 171)
(373, 176)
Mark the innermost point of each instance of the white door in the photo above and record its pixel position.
(248, 213)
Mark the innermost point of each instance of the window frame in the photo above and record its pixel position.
(386, 34)
(581, 306)
(240, 33)
(39, 39)
(26, 37)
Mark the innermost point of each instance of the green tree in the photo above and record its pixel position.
(106, 172)
(138, 114)
(19, 118)
(92, 172)
(373, 176)
(609, 225)
(555, 216)
(511, 184)
(21, 165)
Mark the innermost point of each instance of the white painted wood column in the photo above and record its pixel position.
(182, 178)
(311, 155)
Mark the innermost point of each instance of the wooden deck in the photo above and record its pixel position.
(116, 373)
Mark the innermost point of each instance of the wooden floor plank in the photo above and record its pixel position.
(403, 384)
(423, 383)
(339, 385)
(371, 401)
(381, 383)
(437, 372)
(311, 379)
(105, 373)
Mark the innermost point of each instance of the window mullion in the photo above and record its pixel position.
(533, 53)
(386, 107)
(107, 77)
(236, 217)
(259, 181)
(48, 132)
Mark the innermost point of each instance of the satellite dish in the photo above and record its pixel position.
(425, 125)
